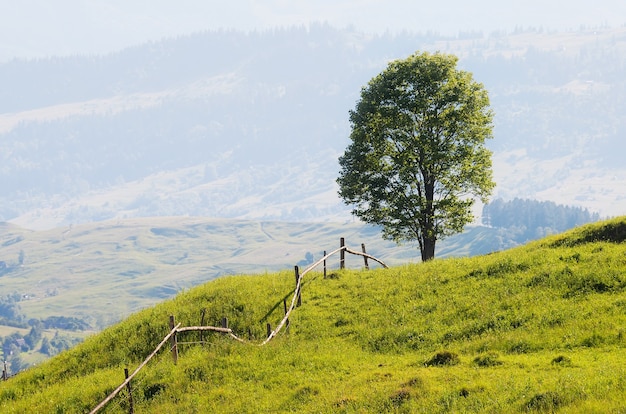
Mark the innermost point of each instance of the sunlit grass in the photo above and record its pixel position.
(534, 329)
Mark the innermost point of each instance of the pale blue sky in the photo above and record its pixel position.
(36, 28)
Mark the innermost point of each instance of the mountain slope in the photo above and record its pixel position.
(250, 125)
(535, 328)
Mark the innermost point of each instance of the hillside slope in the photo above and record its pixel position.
(102, 272)
(536, 328)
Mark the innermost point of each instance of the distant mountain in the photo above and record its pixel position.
(249, 125)
(71, 27)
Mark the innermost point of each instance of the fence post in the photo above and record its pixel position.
(173, 340)
(287, 322)
(131, 409)
(269, 330)
(367, 267)
(324, 264)
(342, 253)
(298, 289)
(202, 324)
(5, 373)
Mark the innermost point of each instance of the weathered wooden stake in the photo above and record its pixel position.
(202, 324)
(365, 257)
(287, 322)
(269, 330)
(131, 408)
(342, 253)
(324, 264)
(5, 372)
(173, 340)
(298, 289)
(225, 322)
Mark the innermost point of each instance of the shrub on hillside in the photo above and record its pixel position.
(444, 358)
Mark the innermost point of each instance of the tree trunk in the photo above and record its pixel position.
(428, 249)
(428, 226)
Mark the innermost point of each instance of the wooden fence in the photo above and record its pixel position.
(5, 371)
(176, 329)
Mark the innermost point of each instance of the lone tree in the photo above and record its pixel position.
(418, 158)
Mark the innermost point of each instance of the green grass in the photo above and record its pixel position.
(539, 328)
(102, 272)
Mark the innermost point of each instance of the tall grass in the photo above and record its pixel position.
(533, 329)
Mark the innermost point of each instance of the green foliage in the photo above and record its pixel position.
(487, 360)
(547, 401)
(67, 323)
(531, 219)
(418, 151)
(10, 311)
(443, 358)
(34, 335)
(58, 343)
(562, 361)
(506, 332)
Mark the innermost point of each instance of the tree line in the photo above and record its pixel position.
(532, 219)
(11, 315)
(16, 343)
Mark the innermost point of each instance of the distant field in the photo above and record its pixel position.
(8, 330)
(34, 356)
(102, 272)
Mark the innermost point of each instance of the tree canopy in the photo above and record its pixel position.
(417, 157)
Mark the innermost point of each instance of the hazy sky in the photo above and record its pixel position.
(36, 28)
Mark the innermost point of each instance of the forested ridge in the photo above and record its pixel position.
(223, 108)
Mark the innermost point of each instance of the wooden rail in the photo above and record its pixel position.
(297, 293)
(118, 389)
(295, 302)
(366, 256)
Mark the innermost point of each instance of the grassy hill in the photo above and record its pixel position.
(536, 328)
(102, 272)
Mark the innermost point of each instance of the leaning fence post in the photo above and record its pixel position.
(324, 264)
(298, 288)
(173, 340)
(342, 253)
(269, 330)
(202, 324)
(287, 322)
(365, 257)
(131, 409)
